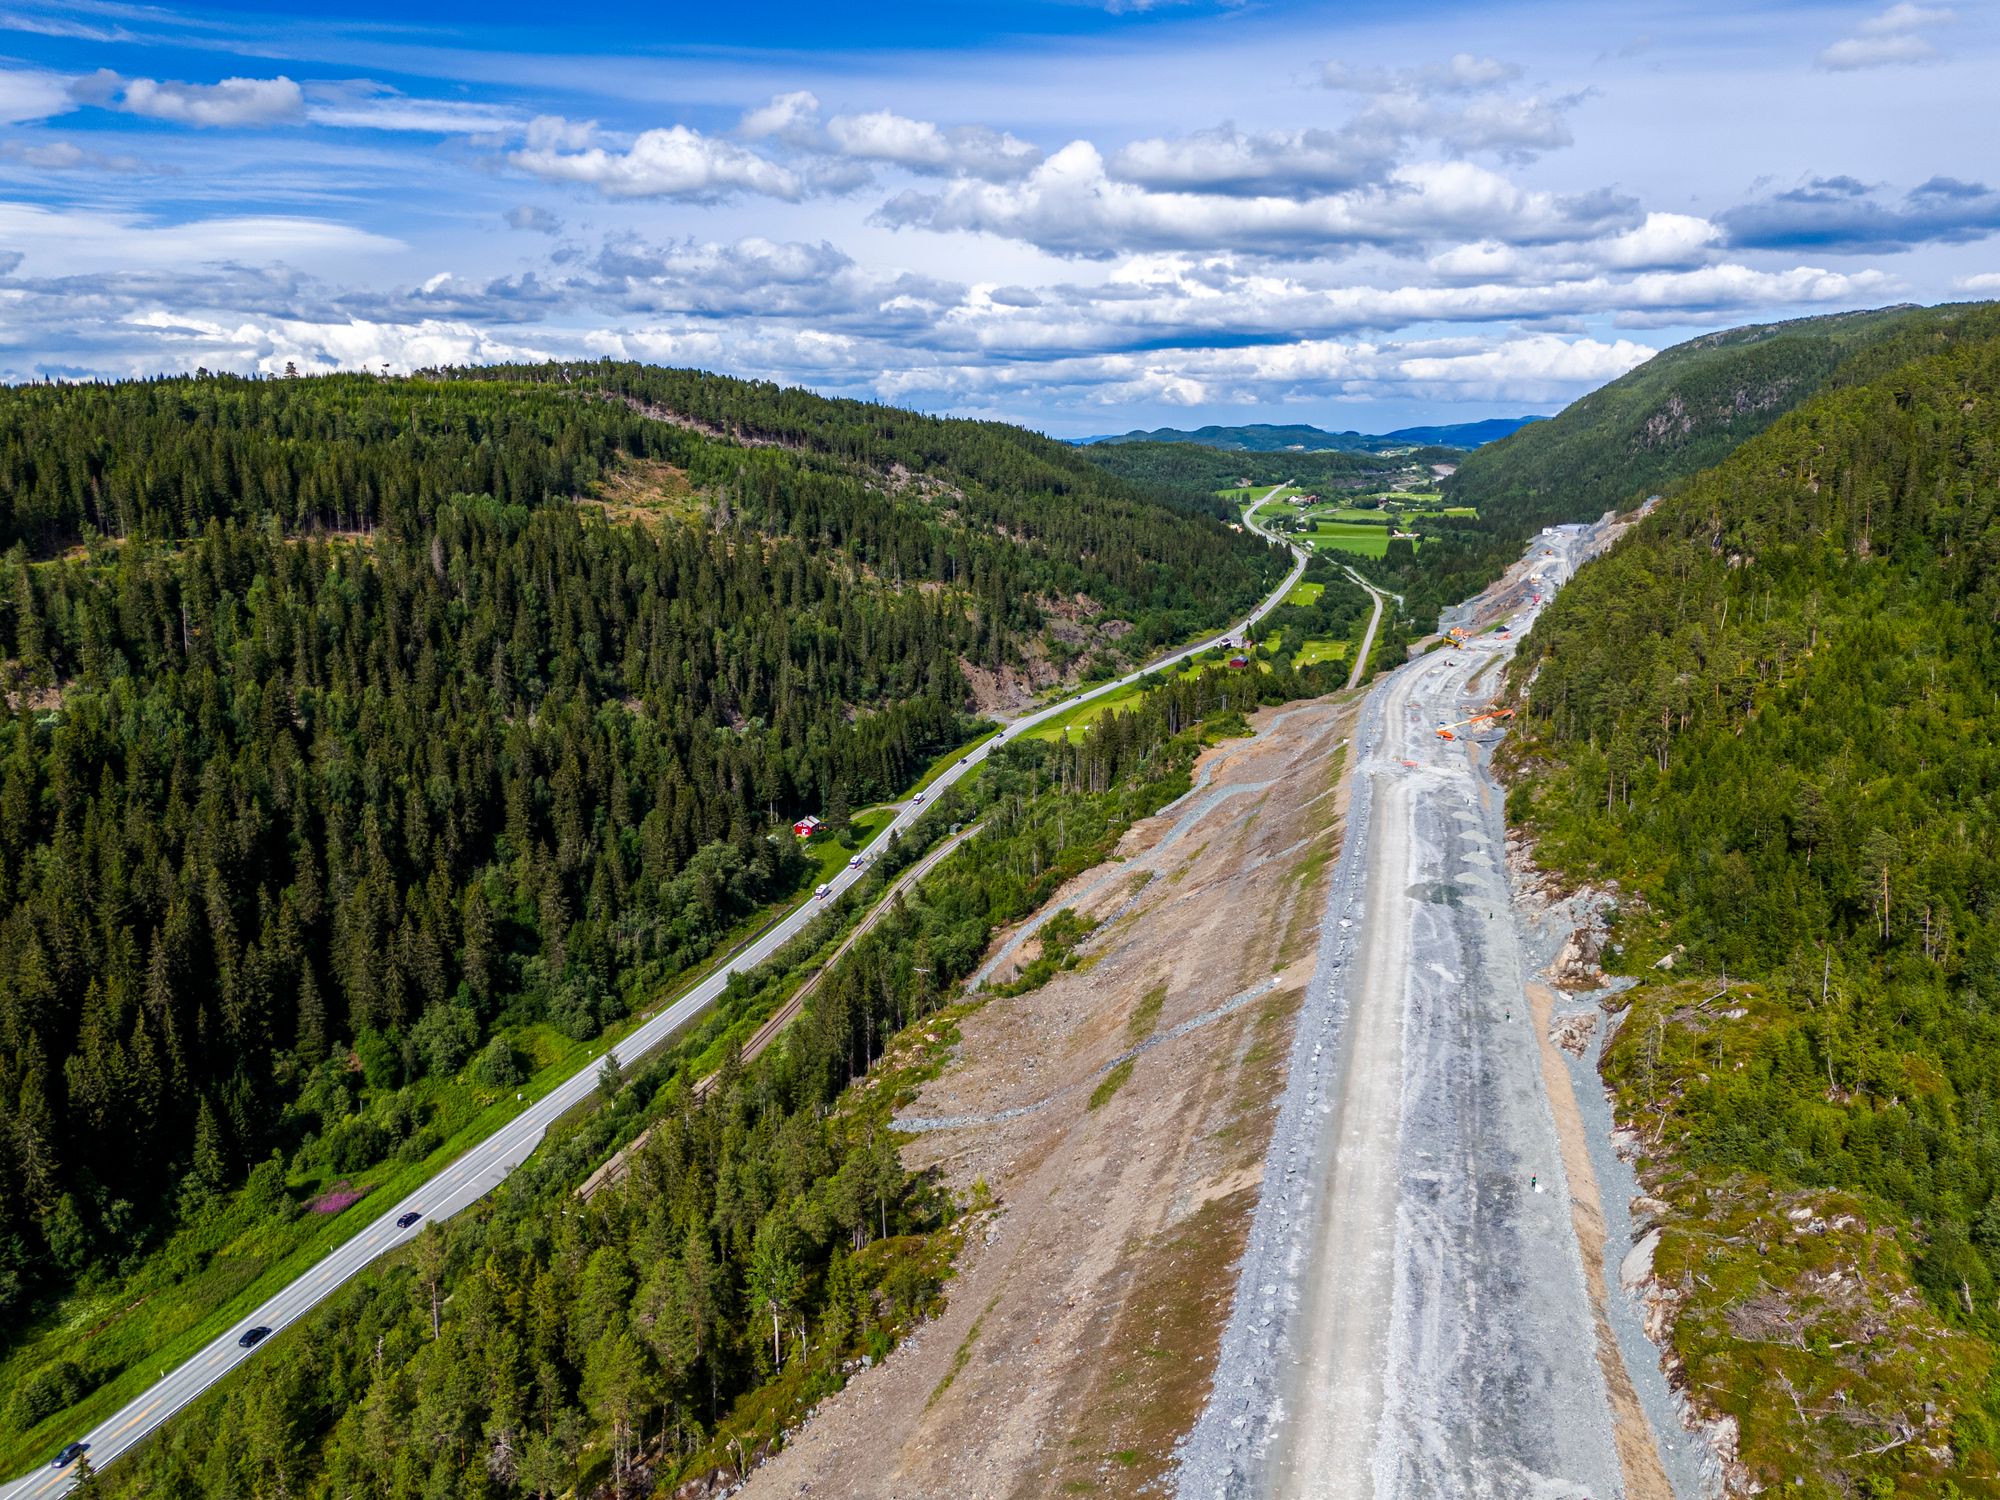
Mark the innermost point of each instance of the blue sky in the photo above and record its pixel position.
(1084, 217)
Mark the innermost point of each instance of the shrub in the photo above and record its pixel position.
(498, 1066)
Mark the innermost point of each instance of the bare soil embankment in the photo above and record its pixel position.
(1119, 1116)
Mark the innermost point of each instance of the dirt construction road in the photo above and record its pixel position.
(1118, 1116)
(1413, 1315)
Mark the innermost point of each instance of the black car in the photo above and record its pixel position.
(68, 1456)
(252, 1337)
(408, 1219)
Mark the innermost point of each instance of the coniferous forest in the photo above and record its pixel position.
(350, 723)
(1772, 717)
(1677, 414)
(765, 1239)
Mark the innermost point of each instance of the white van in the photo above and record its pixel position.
(820, 894)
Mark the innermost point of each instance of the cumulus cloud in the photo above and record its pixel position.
(1190, 301)
(232, 102)
(1845, 215)
(886, 138)
(1070, 205)
(1465, 105)
(1986, 283)
(1663, 240)
(1287, 163)
(1894, 36)
(759, 278)
(675, 162)
(792, 118)
(267, 346)
(921, 146)
(1537, 368)
(1518, 129)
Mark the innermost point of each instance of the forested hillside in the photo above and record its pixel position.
(767, 1237)
(1772, 716)
(1194, 467)
(345, 723)
(1683, 410)
(1266, 437)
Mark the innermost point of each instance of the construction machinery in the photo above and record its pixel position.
(1455, 638)
(1492, 715)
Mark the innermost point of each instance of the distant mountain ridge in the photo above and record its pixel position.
(1265, 437)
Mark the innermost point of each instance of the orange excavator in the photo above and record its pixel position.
(1445, 731)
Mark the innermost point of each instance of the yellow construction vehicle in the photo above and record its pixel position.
(1445, 731)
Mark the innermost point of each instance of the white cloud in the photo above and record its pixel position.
(1528, 369)
(533, 217)
(1069, 205)
(921, 146)
(760, 279)
(1983, 282)
(268, 345)
(792, 117)
(1663, 240)
(369, 106)
(1464, 73)
(884, 137)
(1894, 36)
(73, 241)
(1540, 368)
(1481, 260)
(1195, 300)
(1283, 162)
(1875, 52)
(668, 346)
(232, 102)
(67, 156)
(675, 162)
(1904, 16)
(29, 94)
(1516, 128)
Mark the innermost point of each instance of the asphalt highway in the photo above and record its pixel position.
(486, 1165)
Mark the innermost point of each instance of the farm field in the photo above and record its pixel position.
(1305, 593)
(1365, 541)
(1314, 652)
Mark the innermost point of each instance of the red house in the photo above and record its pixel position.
(807, 827)
(1239, 662)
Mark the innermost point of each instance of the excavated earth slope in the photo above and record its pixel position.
(1119, 1116)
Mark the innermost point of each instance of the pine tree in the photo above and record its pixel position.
(211, 1149)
